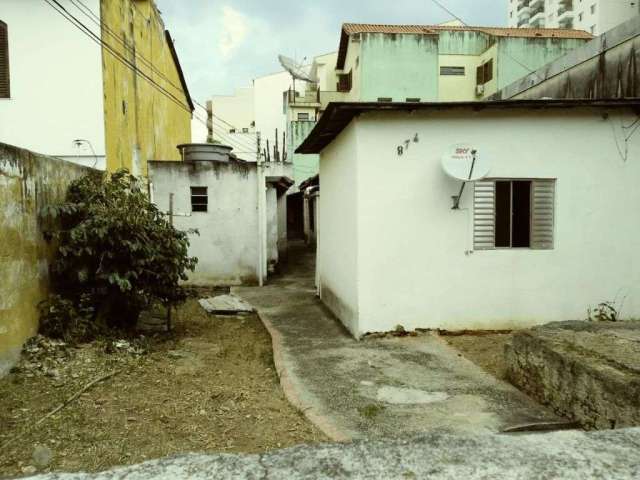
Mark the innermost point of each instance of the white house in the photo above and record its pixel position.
(238, 207)
(551, 231)
(56, 93)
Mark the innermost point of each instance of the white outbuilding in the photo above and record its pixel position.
(549, 230)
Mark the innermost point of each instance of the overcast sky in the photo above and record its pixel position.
(224, 44)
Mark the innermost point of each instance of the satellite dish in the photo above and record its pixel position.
(463, 162)
(296, 70)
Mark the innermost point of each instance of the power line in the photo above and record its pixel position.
(97, 21)
(87, 31)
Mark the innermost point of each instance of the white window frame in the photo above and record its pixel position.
(542, 217)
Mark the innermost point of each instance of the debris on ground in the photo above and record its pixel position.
(208, 386)
(226, 305)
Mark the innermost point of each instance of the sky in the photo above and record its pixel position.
(224, 44)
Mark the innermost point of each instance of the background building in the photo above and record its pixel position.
(114, 97)
(594, 16)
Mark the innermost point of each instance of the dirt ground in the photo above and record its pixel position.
(209, 386)
(485, 349)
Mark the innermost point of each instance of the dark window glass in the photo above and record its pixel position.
(4, 61)
(513, 214)
(199, 199)
(503, 214)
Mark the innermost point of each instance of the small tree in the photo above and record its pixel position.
(117, 249)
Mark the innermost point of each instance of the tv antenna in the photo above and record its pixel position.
(297, 70)
(463, 162)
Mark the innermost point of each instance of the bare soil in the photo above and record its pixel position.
(485, 349)
(208, 386)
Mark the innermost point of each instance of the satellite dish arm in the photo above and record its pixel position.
(456, 202)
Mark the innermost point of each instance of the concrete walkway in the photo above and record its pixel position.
(382, 387)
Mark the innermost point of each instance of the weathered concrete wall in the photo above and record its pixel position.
(399, 67)
(28, 182)
(227, 247)
(606, 67)
(587, 371)
(304, 166)
(141, 122)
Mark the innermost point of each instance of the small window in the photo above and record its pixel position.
(513, 214)
(385, 99)
(232, 130)
(303, 116)
(199, 199)
(484, 73)
(344, 82)
(459, 71)
(413, 100)
(580, 17)
(593, 8)
(593, 29)
(357, 62)
(245, 130)
(4, 61)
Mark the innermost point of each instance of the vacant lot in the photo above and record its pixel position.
(209, 386)
(485, 349)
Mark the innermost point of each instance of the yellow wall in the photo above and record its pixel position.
(453, 88)
(28, 182)
(141, 123)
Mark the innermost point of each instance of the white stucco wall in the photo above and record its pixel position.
(412, 266)
(227, 247)
(268, 104)
(56, 82)
(338, 250)
(236, 109)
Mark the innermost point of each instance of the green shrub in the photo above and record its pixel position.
(115, 252)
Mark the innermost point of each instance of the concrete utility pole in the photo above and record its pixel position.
(261, 214)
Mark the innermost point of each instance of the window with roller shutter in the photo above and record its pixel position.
(4, 61)
(514, 213)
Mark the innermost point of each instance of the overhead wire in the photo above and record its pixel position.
(94, 18)
(55, 4)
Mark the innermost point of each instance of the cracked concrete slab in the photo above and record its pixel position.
(378, 387)
(569, 455)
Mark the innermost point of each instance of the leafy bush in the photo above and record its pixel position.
(64, 319)
(115, 251)
(604, 312)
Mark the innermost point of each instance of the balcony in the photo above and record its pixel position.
(536, 4)
(523, 4)
(565, 15)
(537, 18)
(327, 97)
(524, 13)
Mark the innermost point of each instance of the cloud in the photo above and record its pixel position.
(235, 27)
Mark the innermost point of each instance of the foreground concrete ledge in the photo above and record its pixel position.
(586, 371)
(567, 455)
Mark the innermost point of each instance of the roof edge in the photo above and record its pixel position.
(176, 61)
(338, 115)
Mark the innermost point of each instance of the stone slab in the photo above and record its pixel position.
(570, 455)
(587, 371)
(226, 305)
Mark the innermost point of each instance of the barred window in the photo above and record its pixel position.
(5, 91)
(199, 199)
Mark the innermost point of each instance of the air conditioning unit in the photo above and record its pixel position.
(479, 90)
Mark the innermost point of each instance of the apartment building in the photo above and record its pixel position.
(594, 16)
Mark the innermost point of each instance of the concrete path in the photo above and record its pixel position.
(567, 455)
(383, 387)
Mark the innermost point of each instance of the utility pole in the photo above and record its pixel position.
(261, 212)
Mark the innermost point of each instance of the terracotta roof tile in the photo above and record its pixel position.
(355, 28)
(352, 28)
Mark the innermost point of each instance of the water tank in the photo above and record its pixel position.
(198, 152)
